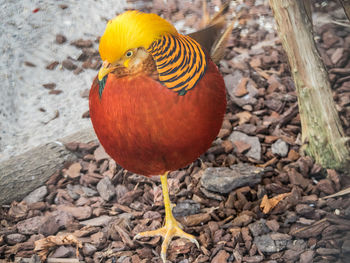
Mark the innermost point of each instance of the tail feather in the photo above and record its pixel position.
(212, 37)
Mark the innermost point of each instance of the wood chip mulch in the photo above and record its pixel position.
(278, 206)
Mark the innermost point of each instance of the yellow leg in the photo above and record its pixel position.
(171, 227)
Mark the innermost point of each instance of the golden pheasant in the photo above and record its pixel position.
(158, 101)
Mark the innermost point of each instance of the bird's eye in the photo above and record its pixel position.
(129, 53)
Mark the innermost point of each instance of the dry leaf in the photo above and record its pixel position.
(43, 246)
(268, 204)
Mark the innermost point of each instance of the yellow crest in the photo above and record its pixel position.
(132, 29)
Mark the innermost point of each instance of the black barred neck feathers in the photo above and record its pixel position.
(180, 62)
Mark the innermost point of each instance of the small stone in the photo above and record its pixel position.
(49, 226)
(55, 92)
(60, 39)
(68, 64)
(13, 239)
(29, 64)
(63, 6)
(49, 86)
(253, 141)
(37, 195)
(97, 221)
(327, 251)
(80, 212)
(30, 226)
(304, 210)
(258, 228)
(272, 243)
(62, 218)
(224, 180)
(273, 225)
(280, 148)
(346, 246)
(291, 255)
(89, 249)
(221, 257)
(185, 208)
(63, 252)
(307, 256)
(81, 43)
(100, 154)
(52, 65)
(106, 189)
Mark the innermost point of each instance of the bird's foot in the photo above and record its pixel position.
(168, 231)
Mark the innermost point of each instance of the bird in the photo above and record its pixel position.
(158, 100)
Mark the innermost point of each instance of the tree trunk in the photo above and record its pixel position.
(346, 6)
(321, 127)
(23, 173)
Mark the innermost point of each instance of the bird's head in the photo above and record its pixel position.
(127, 37)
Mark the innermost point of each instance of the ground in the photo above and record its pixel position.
(267, 202)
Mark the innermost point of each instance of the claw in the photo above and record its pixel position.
(171, 227)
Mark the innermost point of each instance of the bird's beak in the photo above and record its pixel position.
(104, 70)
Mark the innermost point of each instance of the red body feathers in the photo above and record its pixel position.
(149, 129)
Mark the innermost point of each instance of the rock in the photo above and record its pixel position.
(13, 239)
(30, 226)
(63, 252)
(80, 212)
(272, 243)
(185, 208)
(224, 180)
(106, 189)
(253, 141)
(280, 148)
(307, 256)
(97, 221)
(258, 228)
(221, 257)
